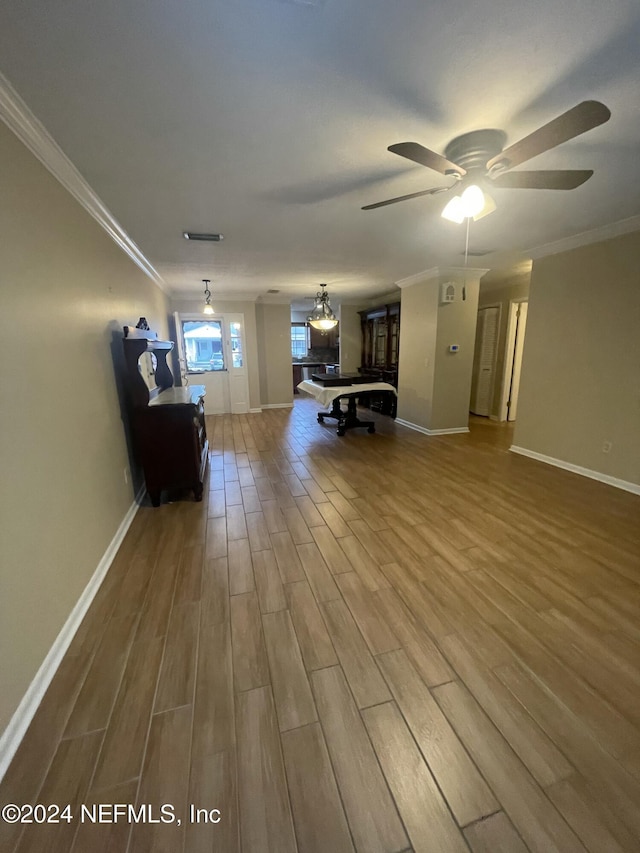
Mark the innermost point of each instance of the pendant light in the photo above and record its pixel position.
(322, 317)
(208, 307)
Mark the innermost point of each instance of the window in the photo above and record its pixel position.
(203, 345)
(299, 339)
(235, 336)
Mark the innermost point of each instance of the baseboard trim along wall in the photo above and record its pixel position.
(25, 712)
(577, 469)
(275, 406)
(425, 431)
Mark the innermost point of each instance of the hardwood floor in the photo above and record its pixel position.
(378, 643)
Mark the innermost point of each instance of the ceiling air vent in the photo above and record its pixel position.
(205, 238)
(305, 2)
(273, 291)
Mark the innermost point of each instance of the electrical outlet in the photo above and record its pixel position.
(606, 447)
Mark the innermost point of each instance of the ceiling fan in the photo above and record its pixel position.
(478, 158)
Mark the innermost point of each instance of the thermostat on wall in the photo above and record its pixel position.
(447, 292)
(454, 348)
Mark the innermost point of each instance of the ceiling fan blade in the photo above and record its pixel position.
(419, 154)
(579, 119)
(558, 179)
(432, 191)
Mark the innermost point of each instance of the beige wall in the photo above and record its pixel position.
(273, 326)
(434, 385)
(580, 381)
(189, 306)
(502, 295)
(416, 361)
(452, 375)
(67, 290)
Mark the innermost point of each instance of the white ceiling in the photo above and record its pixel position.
(268, 121)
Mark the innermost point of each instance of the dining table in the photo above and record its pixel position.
(336, 388)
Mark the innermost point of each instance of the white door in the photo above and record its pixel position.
(227, 387)
(484, 360)
(236, 363)
(520, 326)
(182, 356)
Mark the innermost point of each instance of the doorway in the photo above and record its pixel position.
(211, 351)
(484, 360)
(516, 328)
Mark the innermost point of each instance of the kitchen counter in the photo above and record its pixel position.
(298, 367)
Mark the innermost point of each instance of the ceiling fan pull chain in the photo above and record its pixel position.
(466, 256)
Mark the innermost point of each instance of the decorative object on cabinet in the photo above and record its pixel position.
(168, 423)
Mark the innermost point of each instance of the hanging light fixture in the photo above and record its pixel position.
(322, 317)
(472, 204)
(208, 307)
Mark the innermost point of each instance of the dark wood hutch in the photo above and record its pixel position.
(169, 433)
(381, 341)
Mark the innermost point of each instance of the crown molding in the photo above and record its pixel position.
(585, 238)
(418, 277)
(437, 272)
(15, 113)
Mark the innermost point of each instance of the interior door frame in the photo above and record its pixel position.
(230, 374)
(509, 355)
(494, 377)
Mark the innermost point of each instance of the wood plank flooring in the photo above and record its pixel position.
(375, 643)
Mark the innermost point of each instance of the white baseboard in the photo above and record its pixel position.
(276, 406)
(577, 469)
(20, 721)
(254, 411)
(426, 431)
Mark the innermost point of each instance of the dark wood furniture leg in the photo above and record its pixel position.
(336, 412)
(346, 420)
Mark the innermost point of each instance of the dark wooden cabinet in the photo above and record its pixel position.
(328, 339)
(168, 421)
(381, 341)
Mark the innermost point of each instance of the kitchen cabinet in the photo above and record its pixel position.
(328, 339)
(314, 366)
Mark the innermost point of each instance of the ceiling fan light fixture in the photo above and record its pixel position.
(488, 207)
(322, 317)
(472, 204)
(472, 200)
(454, 210)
